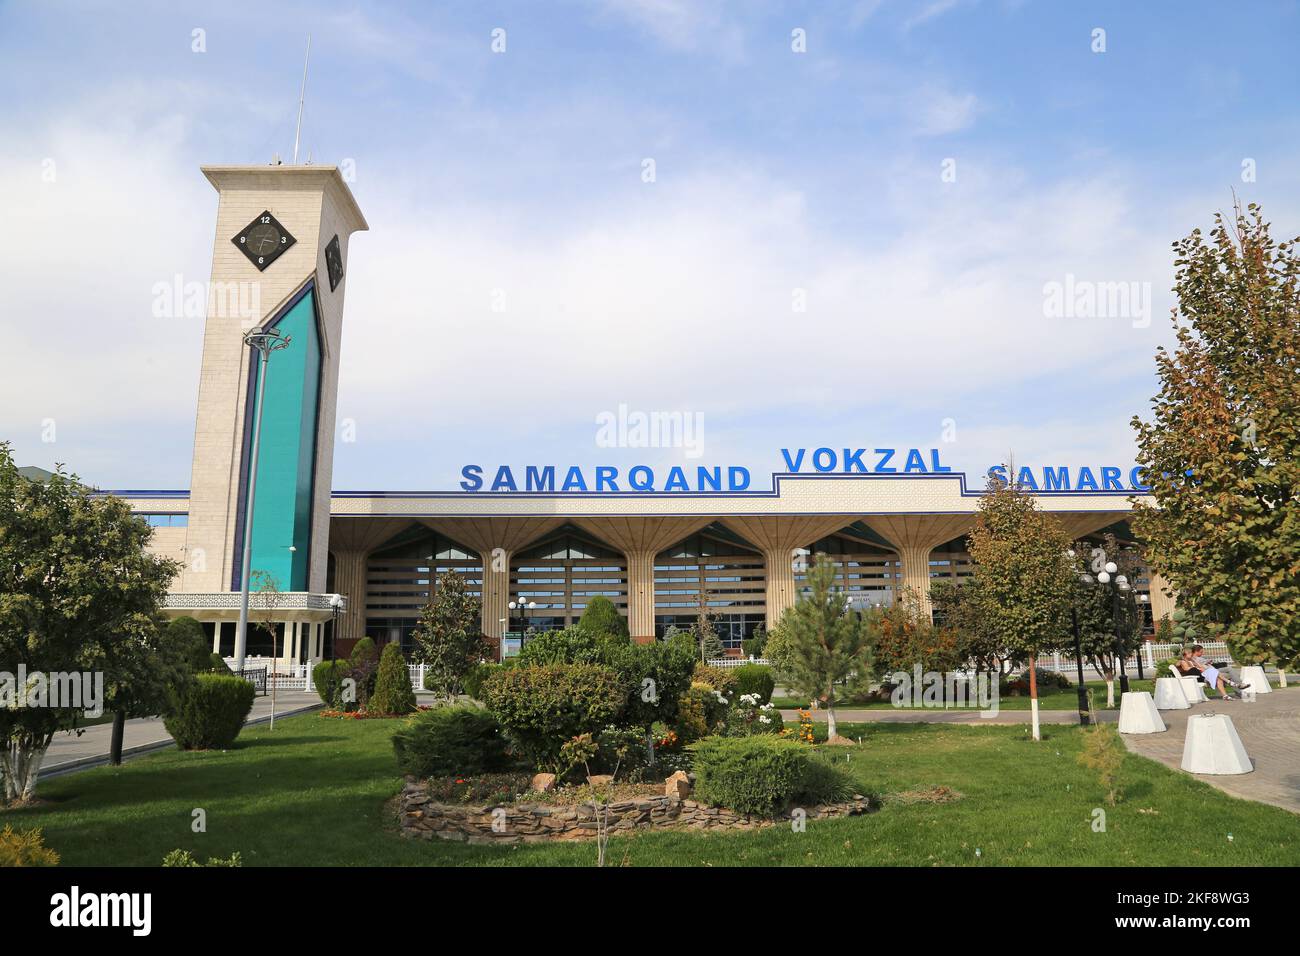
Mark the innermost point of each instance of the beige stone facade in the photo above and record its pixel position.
(653, 554)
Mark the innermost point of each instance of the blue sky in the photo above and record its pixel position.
(517, 177)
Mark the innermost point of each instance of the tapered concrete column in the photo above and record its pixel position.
(781, 594)
(641, 595)
(914, 537)
(350, 581)
(640, 539)
(1161, 603)
(914, 565)
(776, 538)
(216, 637)
(496, 591)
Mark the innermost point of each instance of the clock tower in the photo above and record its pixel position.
(279, 264)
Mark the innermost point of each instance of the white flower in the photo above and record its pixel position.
(764, 720)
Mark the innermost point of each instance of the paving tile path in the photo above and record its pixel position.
(69, 752)
(1269, 730)
(891, 716)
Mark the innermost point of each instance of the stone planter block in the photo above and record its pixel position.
(1138, 714)
(1193, 690)
(1213, 747)
(1169, 694)
(1254, 676)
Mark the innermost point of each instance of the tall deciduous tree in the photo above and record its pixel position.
(824, 641)
(449, 640)
(79, 594)
(1221, 451)
(1023, 575)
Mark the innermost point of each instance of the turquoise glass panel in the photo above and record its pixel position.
(287, 458)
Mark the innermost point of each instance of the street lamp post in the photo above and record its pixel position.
(1121, 584)
(1142, 599)
(265, 341)
(1081, 688)
(523, 607)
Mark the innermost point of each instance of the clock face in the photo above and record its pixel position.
(263, 240)
(334, 262)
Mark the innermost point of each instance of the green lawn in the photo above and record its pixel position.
(312, 793)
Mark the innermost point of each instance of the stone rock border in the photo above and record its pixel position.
(422, 818)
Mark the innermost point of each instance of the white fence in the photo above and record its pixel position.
(282, 674)
(737, 661)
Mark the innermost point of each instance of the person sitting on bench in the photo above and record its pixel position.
(1193, 664)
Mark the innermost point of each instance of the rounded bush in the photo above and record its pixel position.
(542, 708)
(457, 740)
(210, 712)
(755, 679)
(764, 774)
(475, 678)
(327, 676)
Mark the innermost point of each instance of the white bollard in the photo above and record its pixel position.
(1254, 675)
(1138, 714)
(1169, 694)
(1193, 690)
(1213, 747)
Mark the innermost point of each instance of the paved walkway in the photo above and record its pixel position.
(69, 752)
(1269, 730)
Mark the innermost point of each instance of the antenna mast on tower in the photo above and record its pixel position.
(297, 133)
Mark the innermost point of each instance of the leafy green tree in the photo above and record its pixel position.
(1024, 577)
(601, 616)
(825, 641)
(79, 593)
(1221, 451)
(449, 640)
(393, 693)
(957, 607)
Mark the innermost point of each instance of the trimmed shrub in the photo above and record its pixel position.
(393, 693)
(600, 616)
(573, 645)
(764, 774)
(755, 679)
(721, 679)
(328, 678)
(542, 708)
(698, 713)
(451, 741)
(186, 635)
(210, 712)
(475, 678)
(364, 669)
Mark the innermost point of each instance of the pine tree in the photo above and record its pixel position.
(1221, 452)
(393, 693)
(822, 641)
(448, 639)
